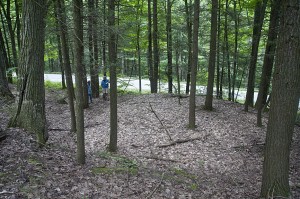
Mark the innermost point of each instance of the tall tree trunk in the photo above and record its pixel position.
(155, 49)
(218, 51)
(113, 78)
(95, 75)
(192, 104)
(61, 13)
(285, 101)
(227, 50)
(257, 26)
(78, 36)
(235, 59)
(169, 45)
(150, 52)
(104, 62)
(268, 60)
(18, 23)
(31, 106)
(4, 89)
(138, 47)
(189, 32)
(212, 55)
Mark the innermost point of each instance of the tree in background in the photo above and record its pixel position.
(64, 38)
(154, 84)
(212, 55)
(79, 75)
(112, 50)
(268, 60)
(31, 106)
(189, 35)
(169, 45)
(285, 101)
(259, 14)
(192, 105)
(4, 89)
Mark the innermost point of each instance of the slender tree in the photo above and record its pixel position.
(31, 106)
(189, 33)
(285, 101)
(5, 93)
(259, 14)
(112, 50)
(268, 60)
(212, 55)
(61, 14)
(150, 51)
(192, 104)
(169, 45)
(95, 69)
(226, 49)
(78, 35)
(154, 84)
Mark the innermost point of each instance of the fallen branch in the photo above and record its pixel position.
(155, 189)
(180, 142)
(160, 122)
(158, 158)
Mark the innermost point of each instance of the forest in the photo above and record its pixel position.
(221, 118)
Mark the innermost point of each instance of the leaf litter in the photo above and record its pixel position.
(158, 156)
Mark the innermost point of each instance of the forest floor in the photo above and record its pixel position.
(221, 159)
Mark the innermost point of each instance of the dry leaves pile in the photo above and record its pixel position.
(158, 157)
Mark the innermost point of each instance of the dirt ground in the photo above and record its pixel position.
(221, 159)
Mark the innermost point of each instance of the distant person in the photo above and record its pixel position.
(89, 91)
(105, 86)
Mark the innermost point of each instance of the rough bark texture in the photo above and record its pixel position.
(113, 78)
(257, 26)
(285, 101)
(212, 55)
(268, 60)
(31, 106)
(78, 35)
(61, 13)
(192, 105)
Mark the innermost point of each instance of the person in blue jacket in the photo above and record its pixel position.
(105, 85)
(89, 91)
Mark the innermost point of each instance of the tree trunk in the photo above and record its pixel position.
(18, 23)
(4, 89)
(212, 56)
(61, 13)
(192, 105)
(78, 45)
(150, 52)
(268, 60)
(138, 47)
(104, 62)
(169, 45)
(155, 49)
(113, 78)
(227, 50)
(285, 101)
(218, 51)
(95, 73)
(257, 26)
(30, 114)
(235, 61)
(189, 33)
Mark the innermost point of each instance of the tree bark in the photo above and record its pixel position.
(150, 52)
(113, 141)
(78, 36)
(95, 71)
(155, 49)
(169, 46)
(192, 104)
(257, 26)
(30, 114)
(212, 55)
(285, 101)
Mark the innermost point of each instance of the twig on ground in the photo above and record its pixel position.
(181, 141)
(152, 110)
(158, 158)
(155, 189)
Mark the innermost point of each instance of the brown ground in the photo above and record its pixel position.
(223, 159)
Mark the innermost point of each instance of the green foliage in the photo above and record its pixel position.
(52, 85)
